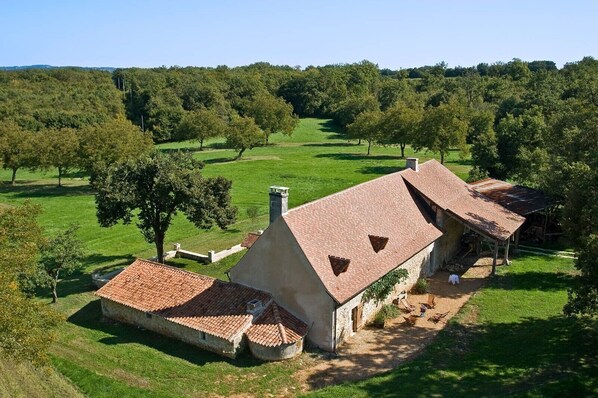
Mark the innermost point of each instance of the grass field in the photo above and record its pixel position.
(104, 359)
(510, 339)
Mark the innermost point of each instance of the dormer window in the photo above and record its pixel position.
(378, 242)
(339, 264)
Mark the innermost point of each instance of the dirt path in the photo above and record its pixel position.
(372, 351)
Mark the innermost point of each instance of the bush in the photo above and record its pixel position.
(387, 311)
(420, 287)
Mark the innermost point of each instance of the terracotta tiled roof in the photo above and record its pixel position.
(446, 190)
(216, 307)
(250, 240)
(522, 200)
(339, 225)
(276, 326)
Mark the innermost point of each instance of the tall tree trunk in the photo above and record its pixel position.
(267, 138)
(441, 157)
(359, 141)
(201, 144)
(402, 145)
(14, 175)
(240, 154)
(159, 241)
(59, 176)
(54, 285)
(369, 146)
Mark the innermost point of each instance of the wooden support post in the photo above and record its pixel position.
(507, 262)
(517, 233)
(494, 258)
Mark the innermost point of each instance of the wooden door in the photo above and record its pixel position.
(356, 315)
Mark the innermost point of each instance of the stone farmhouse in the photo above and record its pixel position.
(306, 274)
(317, 260)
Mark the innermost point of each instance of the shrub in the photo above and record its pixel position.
(387, 311)
(420, 287)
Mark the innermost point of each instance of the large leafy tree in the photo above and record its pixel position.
(243, 133)
(27, 327)
(442, 128)
(61, 256)
(200, 125)
(153, 189)
(60, 149)
(401, 124)
(272, 115)
(367, 126)
(17, 148)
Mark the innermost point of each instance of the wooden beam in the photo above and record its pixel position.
(507, 262)
(494, 257)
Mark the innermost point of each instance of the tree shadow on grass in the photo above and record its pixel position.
(330, 144)
(545, 355)
(218, 160)
(90, 317)
(43, 190)
(357, 156)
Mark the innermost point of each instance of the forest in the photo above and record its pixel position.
(527, 122)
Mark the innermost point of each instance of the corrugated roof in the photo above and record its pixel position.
(446, 190)
(276, 326)
(522, 200)
(215, 307)
(340, 225)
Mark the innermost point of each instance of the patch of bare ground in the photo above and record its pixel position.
(372, 351)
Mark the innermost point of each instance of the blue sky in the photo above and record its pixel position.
(393, 34)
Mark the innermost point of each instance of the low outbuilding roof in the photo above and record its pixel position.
(522, 200)
(335, 233)
(276, 326)
(449, 192)
(197, 301)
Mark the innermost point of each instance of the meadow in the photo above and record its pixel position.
(499, 337)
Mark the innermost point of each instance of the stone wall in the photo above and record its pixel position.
(450, 242)
(163, 326)
(277, 353)
(417, 266)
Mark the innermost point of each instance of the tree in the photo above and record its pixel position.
(347, 110)
(242, 133)
(60, 149)
(155, 188)
(17, 148)
(443, 128)
(401, 123)
(115, 141)
(272, 115)
(61, 255)
(200, 125)
(27, 327)
(367, 126)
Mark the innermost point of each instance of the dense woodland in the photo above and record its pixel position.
(530, 123)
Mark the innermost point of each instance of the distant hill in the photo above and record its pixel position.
(104, 68)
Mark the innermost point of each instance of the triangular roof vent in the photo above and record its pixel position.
(378, 242)
(339, 264)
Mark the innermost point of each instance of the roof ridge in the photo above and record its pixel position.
(281, 330)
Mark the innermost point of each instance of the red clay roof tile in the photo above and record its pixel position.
(446, 190)
(276, 326)
(216, 307)
(339, 224)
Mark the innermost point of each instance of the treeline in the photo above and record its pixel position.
(65, 119)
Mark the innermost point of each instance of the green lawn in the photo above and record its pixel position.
(510, 339)
(516, 314)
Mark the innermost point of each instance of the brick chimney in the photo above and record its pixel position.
(279, 202)
(413, 164)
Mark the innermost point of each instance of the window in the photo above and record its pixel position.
(202, 335)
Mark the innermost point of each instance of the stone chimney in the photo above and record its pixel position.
(279, 202)
(413, 164)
